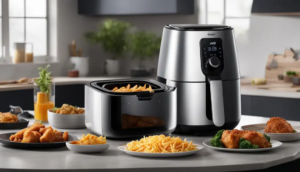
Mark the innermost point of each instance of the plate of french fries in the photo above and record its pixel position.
(89, 144)
(161, 146)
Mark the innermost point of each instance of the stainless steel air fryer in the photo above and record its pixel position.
(201, 62)
(129, 114)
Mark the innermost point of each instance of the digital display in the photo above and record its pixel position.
(213, 48)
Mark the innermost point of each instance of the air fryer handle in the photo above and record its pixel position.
(217, 102)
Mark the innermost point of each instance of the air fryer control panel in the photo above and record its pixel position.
(211, 52)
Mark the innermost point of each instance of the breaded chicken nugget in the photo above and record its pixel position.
(48, 136)
(18, 137)
(31, 137)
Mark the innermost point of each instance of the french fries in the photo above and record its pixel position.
(161, 144)
(135, 88)
(68, 109)
(90, 139)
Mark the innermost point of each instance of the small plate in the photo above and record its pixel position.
(275, 144)
(4, 139)
(22, 123)
(87, 148)
(275, 136)
(160, 155)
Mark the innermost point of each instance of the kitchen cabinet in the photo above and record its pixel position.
(276, 7)
(287, 108)
(70, 94)
(135, 7)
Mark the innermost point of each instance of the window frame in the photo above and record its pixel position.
(205, 4)
(7, 57)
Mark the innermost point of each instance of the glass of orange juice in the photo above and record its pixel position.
(43, 101)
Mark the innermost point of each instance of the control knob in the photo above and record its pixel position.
(214, 62)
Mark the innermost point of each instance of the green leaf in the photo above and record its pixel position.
(54, 109)
(112, 35)
(144, 45)
(267, 137)
(40, 121)
(44, 80)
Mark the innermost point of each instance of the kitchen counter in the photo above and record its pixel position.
(61, 159)
(245, 90)
(59, 81)
(273, 88)
(269, 93)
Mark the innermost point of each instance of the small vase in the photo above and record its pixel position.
(111, 67)
(43, 102)
(81, 64)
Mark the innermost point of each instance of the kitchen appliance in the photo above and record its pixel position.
(201, 62)
(129, 114)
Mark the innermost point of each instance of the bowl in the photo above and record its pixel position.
(296, 80)
(87, 148)
(66, 121)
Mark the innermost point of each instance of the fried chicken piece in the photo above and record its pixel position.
(257, 139)
(231, 139)
(18, 137)
(65, 136)
(8, 117)
(42, 130)
(51, 135)
(48, 135)
(31, 137)
(278, 125)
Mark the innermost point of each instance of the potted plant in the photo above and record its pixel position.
(143, 45)
(112, 36)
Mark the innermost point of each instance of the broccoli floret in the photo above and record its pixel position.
(216, 140)
(245, 144)
(267, 137)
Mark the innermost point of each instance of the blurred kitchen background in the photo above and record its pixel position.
(65, 34)
(52, 25)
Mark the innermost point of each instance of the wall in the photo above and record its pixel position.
(153, 23)
(267, 34)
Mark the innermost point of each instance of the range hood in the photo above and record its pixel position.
(276, 7)
(135, 7)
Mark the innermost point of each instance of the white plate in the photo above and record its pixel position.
(275, 144)
(87, 148)
(160, 155)
(275, 136)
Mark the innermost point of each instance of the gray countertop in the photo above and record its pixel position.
(61, 159)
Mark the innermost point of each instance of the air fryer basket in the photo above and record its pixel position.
(130, 114)
(107, 86)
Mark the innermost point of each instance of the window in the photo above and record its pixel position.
(24, 21)
(235, 13)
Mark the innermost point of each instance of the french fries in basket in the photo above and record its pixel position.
(135, 88)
